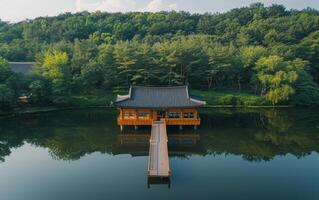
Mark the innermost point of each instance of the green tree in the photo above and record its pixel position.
(124, 56)
(55, 68)
(106, 60)
(276, 77)
(7, 97)
(40, 92)
(220, 61)
(5, 71)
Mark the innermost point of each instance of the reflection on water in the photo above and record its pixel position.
(235, 154)
(158, 181)
(138, 143)
(256, 135)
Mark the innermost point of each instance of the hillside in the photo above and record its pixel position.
(269, 53)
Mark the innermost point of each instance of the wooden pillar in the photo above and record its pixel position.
(154, 115)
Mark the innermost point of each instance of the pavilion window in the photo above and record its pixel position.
(143, 115)
(189, 115)
(129, 115)
(174, 115)
(126, 114)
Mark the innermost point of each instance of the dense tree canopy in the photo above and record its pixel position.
(7, 94)
(267, 51)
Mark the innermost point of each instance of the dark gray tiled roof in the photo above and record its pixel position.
(22, 67)
(158, 97)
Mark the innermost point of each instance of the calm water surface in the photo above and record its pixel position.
(235, 154)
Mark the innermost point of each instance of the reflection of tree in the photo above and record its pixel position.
(276, 120)
(8, 141)
(84, 132)
(72, 144)
(276, 133)
(68, 135)
(256, 135)
(4, 151)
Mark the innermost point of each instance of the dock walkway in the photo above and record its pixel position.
(158, 163)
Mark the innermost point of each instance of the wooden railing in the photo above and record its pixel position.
(169, 121)
(134, 122)
(183, 121)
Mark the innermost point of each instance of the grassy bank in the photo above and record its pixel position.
(230, 99)
(100, 98)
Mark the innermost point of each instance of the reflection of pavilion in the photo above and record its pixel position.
(143, 139)
(137, 144)
(157, 181)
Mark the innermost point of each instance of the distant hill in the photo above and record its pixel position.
(22, 41)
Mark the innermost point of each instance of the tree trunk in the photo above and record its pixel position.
(169, 76)
(239, 84)
(210, 82)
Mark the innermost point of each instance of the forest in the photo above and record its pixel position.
(269, 55)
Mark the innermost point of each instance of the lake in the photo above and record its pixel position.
(234, 154)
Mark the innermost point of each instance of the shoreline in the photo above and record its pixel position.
(35, 110)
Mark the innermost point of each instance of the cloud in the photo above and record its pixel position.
(154, 6)
(117, 5)
(81, 5)
(173, 6)
(158, 5)
(106, 5)
(123, 5)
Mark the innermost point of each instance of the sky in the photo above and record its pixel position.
(18, 10)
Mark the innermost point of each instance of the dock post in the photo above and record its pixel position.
(135, 127)
(195, 127)
(121, 127)
(180, 127)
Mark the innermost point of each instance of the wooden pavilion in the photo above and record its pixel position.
(144, 105)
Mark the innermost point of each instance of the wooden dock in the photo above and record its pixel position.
(158, 162)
